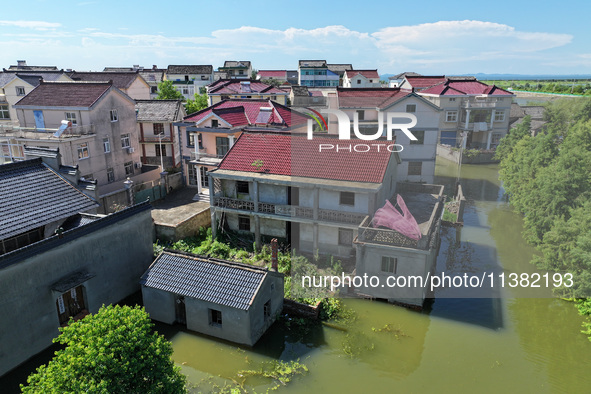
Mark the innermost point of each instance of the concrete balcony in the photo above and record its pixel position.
(292, 211)
(484, 103)
(35, 133)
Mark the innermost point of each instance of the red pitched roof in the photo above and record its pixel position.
(295, 155)
(236, 86)
(282, 116)
(366, 73)
(272, 74)
(425, 81)
(234, 116)
(369, 97)
(65, 94)
(465, 87)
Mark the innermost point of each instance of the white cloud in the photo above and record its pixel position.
(37, 25)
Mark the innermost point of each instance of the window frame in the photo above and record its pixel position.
(389, 264)
(413, 164)
(215, 317)
(220, 147)
(344, 235)
(158, 125)
(499, 116)
(128, 168)
(83, 152)
(20, 90)
(160, 150)
(4, 111)
(420, 134)
(449, 114)
(413, 106)
(242, 187)
(106, 145)
(110, 175)
(125, 141)
(243, 223)
(113, 116)
(71, 117)
(347, 198)
(267, 310)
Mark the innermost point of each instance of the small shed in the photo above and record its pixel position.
(224, 299)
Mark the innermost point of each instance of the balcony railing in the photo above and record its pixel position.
(326, 215)
(46, 133)
(485, 103)
(153, 139)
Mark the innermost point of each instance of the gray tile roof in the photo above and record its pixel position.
(236, 63)
(152, 76)
(121, 80)
(217, 281)
(189, 69)
(158, 110)
(65, 94)
(32, 195)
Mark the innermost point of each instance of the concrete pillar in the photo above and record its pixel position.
(257, 231)
(488, 140)
(129, 188)
(198, 172)
(492, 119)
(316, 202)
(230, 141)
(212, 208)
(315, 238)
(196, 139)
(467, 118)
(255, 197)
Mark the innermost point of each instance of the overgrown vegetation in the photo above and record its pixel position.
(580, 87)
(291, 265)
(112, 351)
(548, 180)
(448, 215)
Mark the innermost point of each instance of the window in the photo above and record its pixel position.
(240, 72)
(500, 116)
(113, 115)
(214, 123)
(345, 237)
(221, 146)
(361, 114)
(160, 150)
(185, 90)
(4, 114)
(158, 128)
(452, 99)
(371, 81)
(71, 117)
(88, 177)
(154, 89)
(242, 187)
(20, 90)
(359, 82)
(389, 264)
(106, 145)
(215, 317)
(451, 116)
(204, 177)
(200, 140)
(243, 223)
(70, 304)
(129, 168)
(415, 167)
(110, 175)
(420, 134)
(495, 139)
(267, 310)
(412, 108)
(83, 151)
(125, 141)
(347, 198)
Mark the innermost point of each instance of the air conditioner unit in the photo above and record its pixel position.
(130, 150)
(138, 165)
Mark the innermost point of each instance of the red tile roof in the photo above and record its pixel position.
(465, 87)
(369, 97)
(282, 116)
(366, 73)
(65, 94)
(235, 116)
(424, 81)
(272, 74)
(236, 86)
(295, 155)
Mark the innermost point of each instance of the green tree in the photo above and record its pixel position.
(112, 351)
(253, 74)
(509, 141)
(200, 102)
(167, 91)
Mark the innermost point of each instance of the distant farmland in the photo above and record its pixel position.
(580, 87)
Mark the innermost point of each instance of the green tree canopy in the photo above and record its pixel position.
(200, 102)
(167, 91)
(112, 351)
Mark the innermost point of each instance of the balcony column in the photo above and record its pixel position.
(230, 141)
(214, 224)
(467, 118)
(315, 238)
(489, 138)
(196, 143)
(257, 231)
(316, 203)
(315, 229)
(198, 173)
(255, 195)
(492, 119)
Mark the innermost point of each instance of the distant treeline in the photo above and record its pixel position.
(580, 87)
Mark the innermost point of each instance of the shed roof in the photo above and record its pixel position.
(217, 281)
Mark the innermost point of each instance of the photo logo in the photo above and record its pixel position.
(344, 124)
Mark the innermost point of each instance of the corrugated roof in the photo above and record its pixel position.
(65, 94)
(33, 195)
(216, 281)
(190, 69)
(296, 155)
(157, 110)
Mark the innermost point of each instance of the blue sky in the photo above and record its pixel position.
(429, 37)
